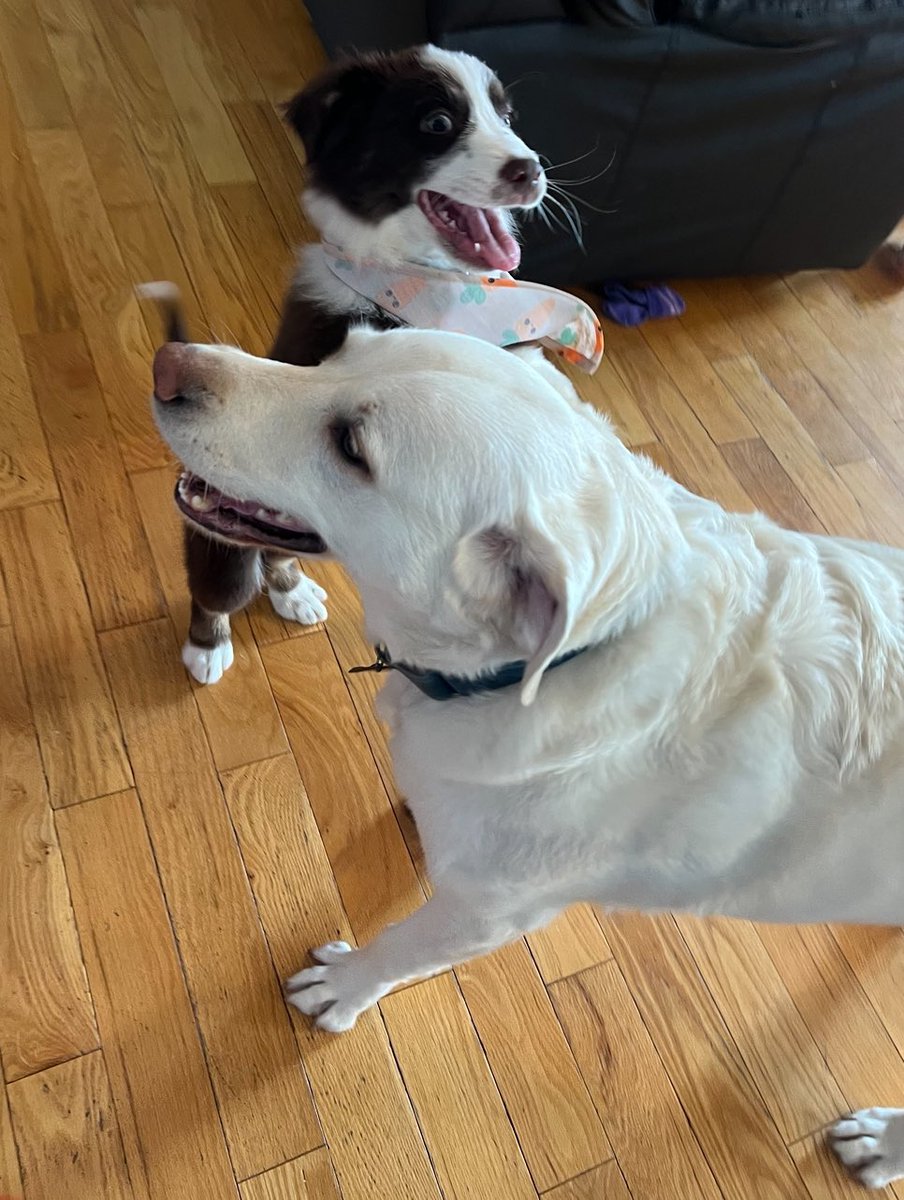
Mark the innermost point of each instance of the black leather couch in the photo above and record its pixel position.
(745, 136)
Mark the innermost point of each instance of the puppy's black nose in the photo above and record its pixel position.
(171, 371)
(521, 171)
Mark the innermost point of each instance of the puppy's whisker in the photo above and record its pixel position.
(588, 178)
(560, 191)
(572, 220)
(550, 166)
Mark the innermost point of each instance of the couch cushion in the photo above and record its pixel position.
(790, 22)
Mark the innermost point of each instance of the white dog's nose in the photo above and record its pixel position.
(171, 363)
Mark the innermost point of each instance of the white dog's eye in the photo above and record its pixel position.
(437, 122)
(346, 439)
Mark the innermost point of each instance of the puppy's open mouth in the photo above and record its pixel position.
(244, 521)
(477, 235)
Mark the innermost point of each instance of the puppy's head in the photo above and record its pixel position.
(479, 512)
(412, 157)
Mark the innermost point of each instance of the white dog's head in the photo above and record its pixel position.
(483, 516)
(412, 158)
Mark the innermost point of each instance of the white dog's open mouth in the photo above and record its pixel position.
(477, 235)
(243, 521)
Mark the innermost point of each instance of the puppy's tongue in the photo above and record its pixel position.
(477, 235)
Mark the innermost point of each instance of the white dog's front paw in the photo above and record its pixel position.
(870, 1143)
(304, 603)
(331, 993)
(207, 663)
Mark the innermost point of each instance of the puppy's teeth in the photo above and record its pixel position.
(477, 247)
(284, 518)
(262, 514)
(199, 504)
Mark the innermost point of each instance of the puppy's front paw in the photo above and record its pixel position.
(331, 993)
(870, 1143)
(207, 663)
(304, 603)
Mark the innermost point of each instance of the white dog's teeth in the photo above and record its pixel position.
(283, 518)
(262, 514)
(199, 504)
(477, 247)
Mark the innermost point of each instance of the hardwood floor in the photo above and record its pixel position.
(168, 852)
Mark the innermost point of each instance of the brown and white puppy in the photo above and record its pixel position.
(411, 158)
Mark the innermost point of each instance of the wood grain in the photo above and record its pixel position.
(108, 308)
(67, 1132)
(714, 1086)
(10, 1176)
(78, 730)
(460, 1111)
(544, 1095)
(113, 554)
(26, 473)
(602, 1183)
(654, 1144)
(307, 1178)
(173, 1140)
(374, 1140)
(40, 954)
(251, 1053)
(573, 942)
(374, 872)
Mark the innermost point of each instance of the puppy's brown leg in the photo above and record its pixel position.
(293, 595)
(222, 579)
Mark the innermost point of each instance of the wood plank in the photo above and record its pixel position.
(30, 68)
(851, 1038)
(108, 307)
(692, 373)
(40, 954)
(40, 295)
(740, 1141)
(767, 483)
(78, 730)
(239, 713)
(822, 1173)
(267, 258)
(266, 141)
(460, 1111)
(150, 252)
(795, 450)
(573, 942)
(630, 1088)
(307, 1178)
(133, 69)
(376, 878)
(5, 615)
(678, 428)
(369, 1126)
(201, 110)
(67, 1132)
(879, 499)
(606, 391)
(171, 1131)
(602, 1183)
(106, 135)
(544, 1095)
(808, 401)
(230, 302)
(253, 1059)
(786, 1066)
(876, 956)
(113, 553)
(10, 1175)
(26, 473)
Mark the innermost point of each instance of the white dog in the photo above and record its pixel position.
(673, 707)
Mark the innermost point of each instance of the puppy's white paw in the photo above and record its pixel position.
(330, 992)
(207, 663)
(304, 603)
(870, 1143)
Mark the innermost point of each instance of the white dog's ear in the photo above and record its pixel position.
(521, 579)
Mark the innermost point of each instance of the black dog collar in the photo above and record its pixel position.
(438, 686)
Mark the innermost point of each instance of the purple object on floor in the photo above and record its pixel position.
(632, 304)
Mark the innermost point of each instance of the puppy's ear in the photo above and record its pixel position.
(522, 581)
(321, 108)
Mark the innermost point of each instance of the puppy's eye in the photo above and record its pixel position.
(437, 122)
(346, 437)
(508, 118)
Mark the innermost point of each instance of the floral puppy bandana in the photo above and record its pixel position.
(493, 306)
